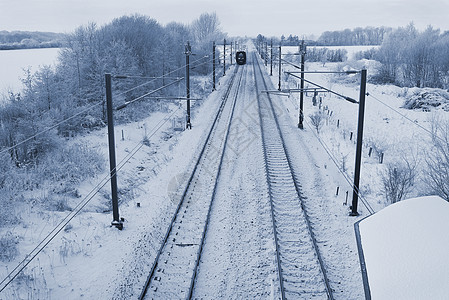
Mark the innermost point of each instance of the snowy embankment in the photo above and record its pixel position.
(393, 134)
(89, 258)
(405, 250)
(93, 260)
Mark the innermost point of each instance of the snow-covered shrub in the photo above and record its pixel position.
(68, 247)
(369, 54)
(57, 203)
(398, 179)
(378, 145)
(104, 204)
(436, 175)
(8, 246)
(321, 54)
(8, 215)
(68, 166)
(317, 120)
(427, 98)
(10, 184)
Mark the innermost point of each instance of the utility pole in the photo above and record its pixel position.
(301, 95)
(231, 53)
(188, 52)
(280, 50)
(213, 66)
(358, 153)
(266, 53)
(112, 163)
(271, 57)
(224, 57)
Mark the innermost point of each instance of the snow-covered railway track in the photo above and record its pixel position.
(301, 271)
(174, 270)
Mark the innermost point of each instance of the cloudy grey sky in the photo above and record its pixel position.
(238, 17)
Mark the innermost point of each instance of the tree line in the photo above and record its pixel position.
(415, 59)
(130, 45)
(354, 37)
(27, 40)
(134, 45)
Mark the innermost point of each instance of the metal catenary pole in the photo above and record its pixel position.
(266, 53)
(280, 59)
(358, 154)
(301, 95)
(231, 54)
(112, 163)
(224, 57)
(213, 66)
(188, 52)
(271, 57)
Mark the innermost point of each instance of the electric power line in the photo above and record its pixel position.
(53, 233)
(334, 160)
(326, 148)
(408, 119)
(50, 128)
(158, 77)
(84, 111)
(147, 94)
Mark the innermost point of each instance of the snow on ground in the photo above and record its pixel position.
(238, 260)
(390, 136)
(405, 249)
(92, 260)
(351, 50)
(330, 218)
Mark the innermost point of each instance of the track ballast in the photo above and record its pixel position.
(301, 270)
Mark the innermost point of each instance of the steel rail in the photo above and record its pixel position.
(203, 237)
(303, 207)
(183, 197)
(278, 259)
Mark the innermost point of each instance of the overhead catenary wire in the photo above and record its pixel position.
(324, 88)
(157, 77)
(50, 128)
(61, 225)
(334, 160)
(4, 150)
(147, 94)
(407, 118)
(53, 233)
(166, 98)
(290, 63)
(160, 77)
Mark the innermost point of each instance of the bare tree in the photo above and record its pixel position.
(317, 120)
(398, 179)
(437, 161)
(206, 27)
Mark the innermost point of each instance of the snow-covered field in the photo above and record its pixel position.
(392, 132)
(92, 260)
(351, 50)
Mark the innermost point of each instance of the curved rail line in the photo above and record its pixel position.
(301, 271)
(175, 267)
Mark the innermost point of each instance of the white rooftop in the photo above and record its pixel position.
(406, 249)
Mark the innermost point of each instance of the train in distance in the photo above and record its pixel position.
(240, 57)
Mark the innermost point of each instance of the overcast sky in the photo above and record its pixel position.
(237, 17)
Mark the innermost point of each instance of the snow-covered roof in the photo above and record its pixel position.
(404, 250)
